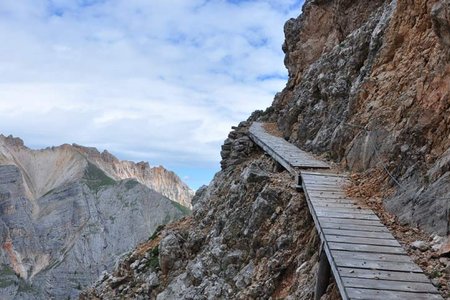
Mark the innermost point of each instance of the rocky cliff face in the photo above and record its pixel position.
(369, 89)
(64, 218)
(157, 178)
(374, 93)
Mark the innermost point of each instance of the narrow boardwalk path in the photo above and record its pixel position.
(286, 154)
(366, 260)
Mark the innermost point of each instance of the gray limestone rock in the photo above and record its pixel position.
(441, 21)
(64, 240)
(420, 245)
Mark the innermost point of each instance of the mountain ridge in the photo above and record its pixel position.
(13, 150)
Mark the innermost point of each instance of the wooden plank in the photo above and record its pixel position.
(346, 215)
(336, 203)
(323, 276)
(317, 200)
(327, 195)
(347, 210)
(365, 248)
(371, 294)
(273, 154)
(383, 275)
(377, 265)
(390, 285)
(350, 221)
(331, 202)
(328, 188)
(315, 175)
(323, 179)
(371, 256)
(323, 198)
(326, 183)
(334, 268)
(287, 154)
(333, 179)
(322, 188)
(352, 227)
(362, 240)
(318, 203)
(354, 233)
(276, 156)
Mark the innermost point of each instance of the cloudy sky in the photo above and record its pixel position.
(155, 80)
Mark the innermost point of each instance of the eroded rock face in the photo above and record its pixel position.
(63, 220)
(375, 95)
(157, 178)
(441, 21)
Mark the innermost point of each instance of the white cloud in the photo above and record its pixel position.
(154, 80)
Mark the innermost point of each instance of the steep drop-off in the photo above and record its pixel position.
(64, 219)
(368, 89)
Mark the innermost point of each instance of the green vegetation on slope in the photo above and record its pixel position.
(95, 178)
(183, 209)
(129, 184)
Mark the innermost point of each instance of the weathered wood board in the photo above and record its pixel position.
(285, 153)
(366, 260)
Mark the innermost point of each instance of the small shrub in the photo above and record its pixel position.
(153, 261)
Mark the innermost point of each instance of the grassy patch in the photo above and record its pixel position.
(5, 283)
(435, 274)
(131, 184)
(186, 211)
(96, 178)
(7, 277)
(6, 271)
(153, 261)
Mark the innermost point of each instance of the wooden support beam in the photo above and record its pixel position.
(323, 275)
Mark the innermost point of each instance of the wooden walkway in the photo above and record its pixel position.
(366, 260)
(286, 154)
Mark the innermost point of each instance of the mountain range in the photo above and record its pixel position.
(68, 212)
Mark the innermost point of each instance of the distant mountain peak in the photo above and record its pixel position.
(48, 168)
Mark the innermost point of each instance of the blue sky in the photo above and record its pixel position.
(160, 81)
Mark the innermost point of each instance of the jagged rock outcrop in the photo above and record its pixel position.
(368, 88)
(157, 178)
(250, 237)
(375, 96)
(63, 220)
